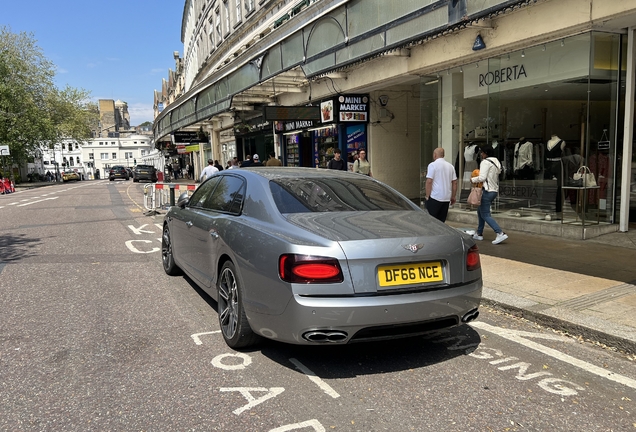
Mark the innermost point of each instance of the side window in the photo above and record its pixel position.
(202, 193)
(227, 197)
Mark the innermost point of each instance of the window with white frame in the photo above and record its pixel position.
(143, 152)
(112, 143)
(114, 155)
(238, 11)
(103, 156)
(76, 146)
(77, 159)
(219, 32)
(226, 12)
(91, 156)
(101, 143)
(128, 155)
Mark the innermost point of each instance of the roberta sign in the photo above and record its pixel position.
(503, 75)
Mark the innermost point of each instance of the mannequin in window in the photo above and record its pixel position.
(470, 163)
(553, 166)
(522, 157)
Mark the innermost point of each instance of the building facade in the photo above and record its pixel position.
(519, 75)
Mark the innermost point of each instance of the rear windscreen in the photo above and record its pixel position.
(302, 195)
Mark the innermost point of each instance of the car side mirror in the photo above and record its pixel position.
(183, 200)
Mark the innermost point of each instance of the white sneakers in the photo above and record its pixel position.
(500, 237)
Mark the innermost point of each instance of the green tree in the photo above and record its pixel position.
(33, 112)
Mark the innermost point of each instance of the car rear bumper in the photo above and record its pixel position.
(148, 177)
(316, 320)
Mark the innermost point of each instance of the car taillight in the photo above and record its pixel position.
(309, 269)
(472, 259)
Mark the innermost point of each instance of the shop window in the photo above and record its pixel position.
(543, 109)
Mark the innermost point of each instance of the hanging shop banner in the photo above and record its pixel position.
(353, 108)
(188, 137)
(181, 149)
(326, 111)
(192, 148)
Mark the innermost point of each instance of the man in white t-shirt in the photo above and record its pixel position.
(441, 185)
(209, 170)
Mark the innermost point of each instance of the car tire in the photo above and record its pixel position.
(167, 254)
(235, 328)
(135, 180)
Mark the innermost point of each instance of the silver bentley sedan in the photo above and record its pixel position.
(314, 256)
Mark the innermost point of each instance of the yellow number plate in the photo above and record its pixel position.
(407, 274)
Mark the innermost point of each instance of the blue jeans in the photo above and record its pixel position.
(483, 213)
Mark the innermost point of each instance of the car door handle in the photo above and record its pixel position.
(214, 234)
(188, 224)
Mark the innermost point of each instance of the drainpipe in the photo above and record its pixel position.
(628, 132)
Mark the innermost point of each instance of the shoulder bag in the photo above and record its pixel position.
(586, 177)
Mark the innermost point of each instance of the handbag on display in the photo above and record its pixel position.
(585, 176)
(474, 198)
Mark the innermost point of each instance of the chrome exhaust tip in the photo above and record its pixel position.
(470, 316)
(325, 336)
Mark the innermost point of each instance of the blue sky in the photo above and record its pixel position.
(115, 50)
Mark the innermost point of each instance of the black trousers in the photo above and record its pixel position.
(553, 169)
(437, 209)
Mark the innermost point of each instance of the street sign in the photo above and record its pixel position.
(4, 150)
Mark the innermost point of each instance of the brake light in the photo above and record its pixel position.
(309, 269)
(472, 259)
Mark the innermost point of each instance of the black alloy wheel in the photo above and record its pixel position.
(167, 257)
(235, 328)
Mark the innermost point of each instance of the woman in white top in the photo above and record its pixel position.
(489, 170)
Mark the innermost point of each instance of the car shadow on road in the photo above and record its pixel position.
(370, 358)
(365, 357)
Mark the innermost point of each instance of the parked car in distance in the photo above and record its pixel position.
(308, 256)
(145, 172)
(118, 172)
(70, 176)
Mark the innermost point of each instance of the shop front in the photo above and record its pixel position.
(549, 111)
(254, 136)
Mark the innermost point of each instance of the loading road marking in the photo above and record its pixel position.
(314, 378)
(520, 338)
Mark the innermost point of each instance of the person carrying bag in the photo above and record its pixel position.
(489, 171)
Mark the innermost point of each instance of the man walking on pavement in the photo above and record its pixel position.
(337, 163)
(441, 185)
(208, 171)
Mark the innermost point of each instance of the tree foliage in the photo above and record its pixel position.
(33, 112)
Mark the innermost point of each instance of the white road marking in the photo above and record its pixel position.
(315, 424)
(245, 361)
(33, 202)
(519, 337)
(140, 230)
(129, 245)
(252, 401)
(312, 376)
(195, 336)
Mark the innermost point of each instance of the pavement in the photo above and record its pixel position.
(586, 288)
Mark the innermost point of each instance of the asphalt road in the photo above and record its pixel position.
(94, 336)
